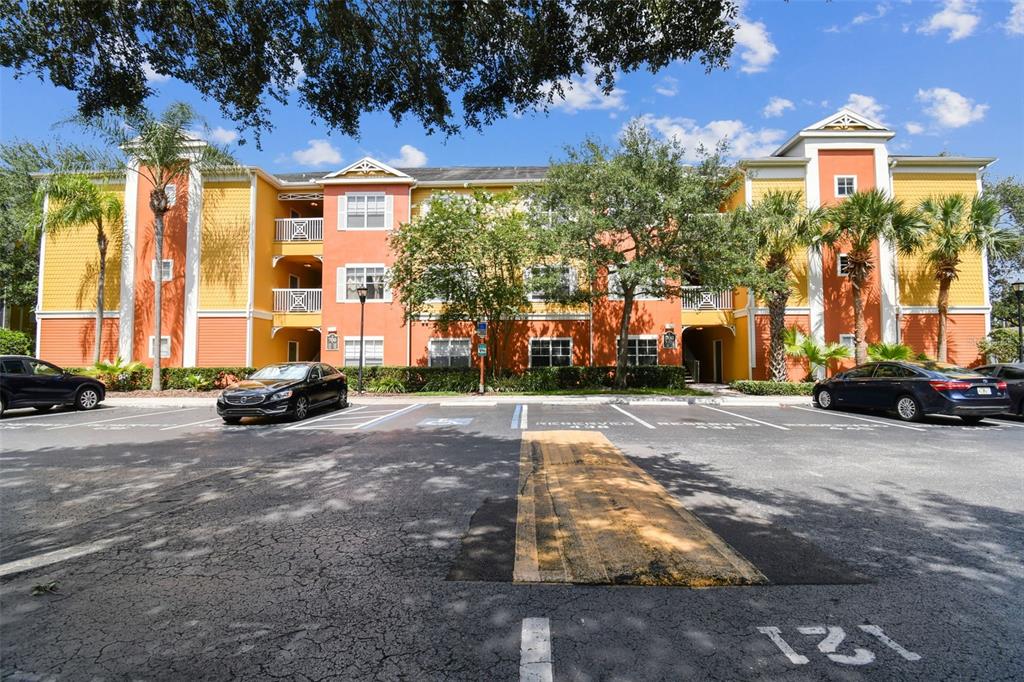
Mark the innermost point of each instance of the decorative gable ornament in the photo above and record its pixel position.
(367, 167)
(844, 120)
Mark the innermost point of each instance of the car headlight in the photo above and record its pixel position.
(281, 395)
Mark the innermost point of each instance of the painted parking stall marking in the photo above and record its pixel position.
(117, 419)
(535, 651)
(446, 421)
(740, 416)
(345, 421)
(864, 419)
(520, 417)
(830, 639)
(635, 418)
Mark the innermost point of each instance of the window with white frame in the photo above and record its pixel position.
(373, 351)
(352, 277)
(566, 280)
(171, 192)
(449, 353)
(641, 350)
(849, 341)
(165, 346)
(550, 352)
(843, 265)
(846, 185)
(166, 271)
(615, 290)
(365, 211)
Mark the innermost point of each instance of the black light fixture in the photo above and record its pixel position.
(1018, 291)
(361, 293)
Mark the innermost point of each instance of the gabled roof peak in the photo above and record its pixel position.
(367, 166)
(846, 119)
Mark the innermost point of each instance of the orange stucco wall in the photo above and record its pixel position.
(796, 368)
(70, 342)
(920, 332)
(221, 342)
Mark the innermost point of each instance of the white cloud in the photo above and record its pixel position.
(669, 86)
(742, 141)
(152, 76)
(222, 135)
(956, 17)
(318, 153)
(580, 94)
(300, 74)
(1014, 25)
(776, 107)
(914, 128)
(755, 45)
(881, 9)
(866, 105)
(950, 109)
(409, 157)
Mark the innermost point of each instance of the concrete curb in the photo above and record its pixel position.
(490, 400)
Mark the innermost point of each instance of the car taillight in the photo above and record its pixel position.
(1001, 385)
(950, 385)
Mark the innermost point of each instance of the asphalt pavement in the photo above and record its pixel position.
(375, 543)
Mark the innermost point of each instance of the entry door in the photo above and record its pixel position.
(718, 361)
(293, 351)
(293, 282)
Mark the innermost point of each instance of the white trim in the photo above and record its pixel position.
(343, 212)
(346, 339)
(985, 291)
(149, 346)
(529, 348)
(222, 313)
(835, 185)
(75, 314)
(540, 315)
(887, 265)
(777, 172)
(152, 269)
(449, 339)
(902, 168)
(848, 113)
(263, 314)
(41, 276)
(748, 190)
(953, 310)
(365, 165)
(794, 310)
(193, 237)
(341, 283)
(126, 328)
(839, 264)
(253, 180)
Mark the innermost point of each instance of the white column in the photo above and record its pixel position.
(126, 324)
(42, 277)
(887, 256)
(252, 270)
(193, 238)
(815, 282)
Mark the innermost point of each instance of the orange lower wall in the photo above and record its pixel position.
(221, 342)
(920, 332)
(796, 368)
(70, 342)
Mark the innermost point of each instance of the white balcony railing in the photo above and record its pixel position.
(299, 229)
(698, 298)
(297, 300)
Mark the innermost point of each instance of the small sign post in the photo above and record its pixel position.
(481, 349)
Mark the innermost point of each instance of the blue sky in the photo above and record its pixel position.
(947, 76)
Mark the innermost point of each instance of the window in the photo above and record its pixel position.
(563, 287)
(860, 372)
(165, 346)
(370, 276)
(843, 265)
(1013, 373)
(171, 192)
(373, 351)
(550, 352)
(449, 353)
(846, 185)
(12, 367)
(893, 372)
(44, 369)
(315, 374)
(615, 292)
(293, 351)
(642, 350)
(365, 211)
(849, 341)
(167, 271)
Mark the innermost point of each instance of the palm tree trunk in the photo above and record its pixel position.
(777, 344)
(622, 355)
(944, 285)
(158, 285)
(860, 352)
(101, 243)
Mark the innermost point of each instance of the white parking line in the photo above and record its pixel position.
(524, 416)
(535, 650)
(117, 419)
(863, 419)
(404, 410)
(638, 420)
(56, 556)
(1004, 422)
(326, 416)
(179, 426)
(45, 415)
(749, 419)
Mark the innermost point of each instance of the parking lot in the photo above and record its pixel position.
(376, 542)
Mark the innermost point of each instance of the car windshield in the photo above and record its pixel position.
(280, 372)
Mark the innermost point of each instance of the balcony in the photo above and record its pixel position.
(708, 307)
(297, 307)
(298, 237)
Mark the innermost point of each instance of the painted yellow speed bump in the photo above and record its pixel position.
(588, 515)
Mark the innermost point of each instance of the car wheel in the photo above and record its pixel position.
(343, 399)
(301, 408)
(972, 420)
(43, 408)
(908, 409)
(824, 399)
(232, 420)
(87, 399)
(3, 406)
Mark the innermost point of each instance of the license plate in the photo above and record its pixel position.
(984, 391)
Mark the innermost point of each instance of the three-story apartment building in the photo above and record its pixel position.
(262, 267)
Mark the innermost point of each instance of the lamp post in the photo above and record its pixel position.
(361, 293)
(1018, 291)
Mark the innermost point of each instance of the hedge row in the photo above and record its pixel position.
(14, 342)
(189, 378)
(773, 387)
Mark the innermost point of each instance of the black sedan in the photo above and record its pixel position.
(289, 389)
(1013, 374)
(914, 389)
(30, 382)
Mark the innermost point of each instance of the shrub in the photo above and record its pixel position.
(772, 387)
(118, 375)
(187, 377)
(889, 351)
(1001, 344)
(386, 384)
(14, 342)
(197, 382)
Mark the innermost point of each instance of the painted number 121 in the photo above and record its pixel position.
(832, 638)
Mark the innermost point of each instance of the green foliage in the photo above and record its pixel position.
(45, 588)
(534, 380)
(773, 387)
(206, 377)
(386, 384)
(118, 375)
(196, 382)
(1001, 344)
(14, 342)
(889, 351)
(434, 61)
(817, 356)
(1008, 266)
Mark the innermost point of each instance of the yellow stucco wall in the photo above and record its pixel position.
(71, 266)
(758, 189)
(917, 284)
(224, 246)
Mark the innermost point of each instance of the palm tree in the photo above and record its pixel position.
(162, 150)
(889, 351)
(76, 200)
(800, 346)
(782, 226)
(862, 219)
(958, 225)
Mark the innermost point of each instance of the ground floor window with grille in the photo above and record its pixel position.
(449, 353)
(550, 352)
(373, 352)
(641, 350)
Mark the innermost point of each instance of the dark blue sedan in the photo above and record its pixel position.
(914, 389)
